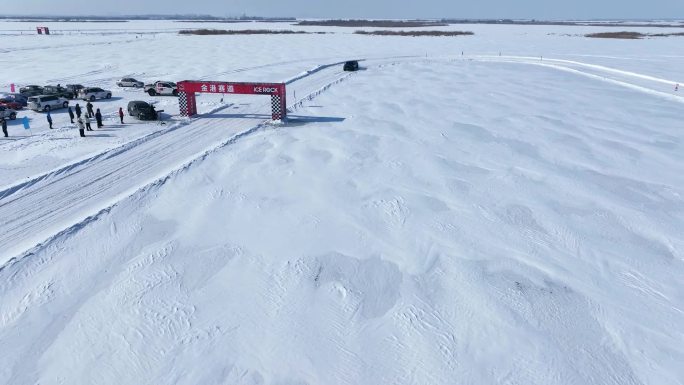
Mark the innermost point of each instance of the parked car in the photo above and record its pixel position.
(6, 112)
(15, 97)
(92, 93)
(31, 90)
(130, 82)
(59, 91)
(74, 88)
(141, 110)
(351, 65)
(161, 88)
(47, 102)
(10, 103)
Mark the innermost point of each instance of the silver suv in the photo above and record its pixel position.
(7, 113)
(130, 82)
(92, 93)
(47, 102)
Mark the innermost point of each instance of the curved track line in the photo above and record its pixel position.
(58, 203)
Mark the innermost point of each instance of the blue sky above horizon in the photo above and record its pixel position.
(489, 9)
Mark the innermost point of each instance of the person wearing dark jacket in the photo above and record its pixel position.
(121, 114)
(78, 111)
(49, 119)
(98, 118)
(89, 108)
(71, 115)
(3, 122)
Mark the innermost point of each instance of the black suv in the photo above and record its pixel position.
(58, 91)
(351, 65)
(142, 110)
(31, 90)
(74, 88)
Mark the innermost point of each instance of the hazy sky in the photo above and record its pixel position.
(540, 9)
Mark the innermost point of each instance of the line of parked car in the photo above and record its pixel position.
(153, 89)
(47, 98)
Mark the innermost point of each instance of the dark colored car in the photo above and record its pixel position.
(10, 103)
(351, 65)
(58, 91)
(14, 98)
(31, 90)
(74, 88)
(141, 110)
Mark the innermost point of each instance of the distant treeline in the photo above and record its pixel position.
(289, 32)
(348, 23)
(372, 23)
(237, 21)
(242, 32)
(64, 18)
(565, 23)
(68, 21)
(630, 35)
(415, 33)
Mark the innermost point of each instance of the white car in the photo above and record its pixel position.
(92, 93)
(47, 102)
(161, 88)
(130, 82)
(7, 113)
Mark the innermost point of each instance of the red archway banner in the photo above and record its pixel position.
(188, 88)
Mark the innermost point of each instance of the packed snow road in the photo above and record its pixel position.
(43, 206)
(49, 204)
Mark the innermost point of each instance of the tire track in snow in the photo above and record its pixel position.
(35, 223)
(56, 203)
(647, 84)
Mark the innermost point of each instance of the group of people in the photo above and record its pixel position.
(83, 120)
(84, 123)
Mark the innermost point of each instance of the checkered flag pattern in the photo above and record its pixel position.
(183, 104)
(276, 108)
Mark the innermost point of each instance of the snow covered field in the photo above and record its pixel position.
(435, 218)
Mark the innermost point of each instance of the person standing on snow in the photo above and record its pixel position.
(98, 118)
(71, 115)
(78, 111)
(89, 108)
(3, 122)
(49, 119)
(86, 118)
(121, 114)
(81, 128)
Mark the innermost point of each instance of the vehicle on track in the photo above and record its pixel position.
(142, 110)
(47, 103)
(7, 113)
(351, 65)
(130, 82)
(92, 93)
(161, 88)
